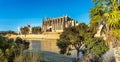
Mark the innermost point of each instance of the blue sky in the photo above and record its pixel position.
(16, 13)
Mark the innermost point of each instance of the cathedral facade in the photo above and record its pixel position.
(57, 24)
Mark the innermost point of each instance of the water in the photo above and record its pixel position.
(49, 50)
(44, 45)
(47, 45)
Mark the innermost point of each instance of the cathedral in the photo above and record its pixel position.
(57, 24)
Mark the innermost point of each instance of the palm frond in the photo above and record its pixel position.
(113, 19)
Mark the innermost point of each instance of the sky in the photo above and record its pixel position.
(18, 13)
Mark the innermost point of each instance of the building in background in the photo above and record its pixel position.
(57, 24)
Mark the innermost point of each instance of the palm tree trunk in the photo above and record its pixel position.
(107, 34)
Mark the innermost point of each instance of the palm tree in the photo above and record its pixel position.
(107, 13)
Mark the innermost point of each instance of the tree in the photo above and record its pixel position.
(82, 39)
(25, 30)
(10, 48)
(107, 13)
(72, 36)
(8, 32)
(36, 30)
(95, 48)
(95, 45)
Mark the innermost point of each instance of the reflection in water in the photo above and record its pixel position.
(49, 45)
(46, 45)
(43, 45)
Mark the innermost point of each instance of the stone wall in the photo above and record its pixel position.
(38, 36)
